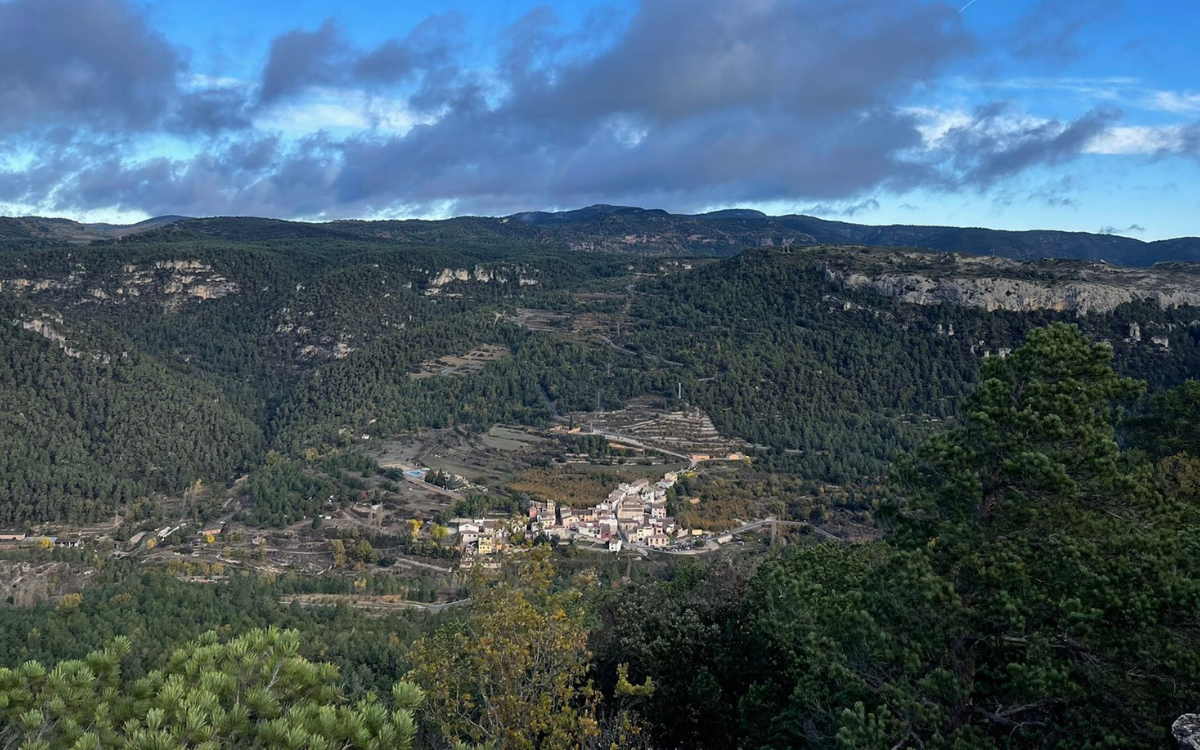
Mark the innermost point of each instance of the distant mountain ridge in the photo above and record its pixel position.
(40, 229)
(607, 228)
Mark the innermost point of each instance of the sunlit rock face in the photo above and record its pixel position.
(999, 284)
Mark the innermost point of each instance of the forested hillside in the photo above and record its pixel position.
(1022, 497)
(1035, 586)
(837, 380)
(136, 368)
(609, 229)
(89, 422)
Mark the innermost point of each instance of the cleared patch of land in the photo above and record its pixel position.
(690, 432)
(573, 486)
(509, 439)
(542, 320)
(458, 365)
(490, 459)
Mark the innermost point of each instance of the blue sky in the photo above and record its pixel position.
(1011, 113)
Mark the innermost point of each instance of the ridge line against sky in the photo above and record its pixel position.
(1127, 233)
(1027, 114)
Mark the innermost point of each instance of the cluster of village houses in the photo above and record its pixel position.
(633, 513)
(205, 532)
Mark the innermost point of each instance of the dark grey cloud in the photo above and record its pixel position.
(1189, 141)
(682, 59)
(94, 67)
(76, 61)
(1131, 229)
(684, 104)
(994, 146)
(212, 110)
(847, 210)
(301, 60)
(696, 101)
(1057, 193)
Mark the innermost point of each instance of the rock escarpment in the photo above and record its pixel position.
(997, 284)
(169, 283)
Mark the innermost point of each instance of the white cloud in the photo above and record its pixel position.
(1174, 101)
(201, 81)
(91, 216)
(1145, 140)
(332, 109)
(935, 124)
(1120, 140)
(1108, 88)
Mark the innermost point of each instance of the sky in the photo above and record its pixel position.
(1015, 114)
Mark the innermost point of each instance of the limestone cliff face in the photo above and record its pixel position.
(47, 326)
(1096, 288)
(481, 275)
(171, 284)
(176, 280)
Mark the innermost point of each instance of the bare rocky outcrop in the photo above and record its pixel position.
(998, 284)
(177, 281)
(170, 283)
(1186, 732)
(24, 584)
(482, 275)
(46, 327)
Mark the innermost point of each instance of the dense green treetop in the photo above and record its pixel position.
(252, 691)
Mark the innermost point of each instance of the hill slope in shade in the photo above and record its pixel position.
(625, 229)
(42, 230)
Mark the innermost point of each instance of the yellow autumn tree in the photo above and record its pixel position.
(513, 671)
(69, 601)
(339, 553)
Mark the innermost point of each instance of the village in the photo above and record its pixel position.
(620, 483)
(635, 513)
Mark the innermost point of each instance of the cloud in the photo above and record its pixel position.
(299, 61)
(693, 101)
(211, 110)
(685, 103)
(852, 209)
(992, 146)
(683, 59)
(71, 61)
(1179, 102)
(1132, 228)
(1057, 194)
